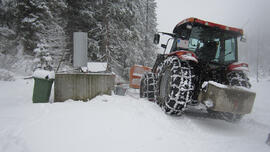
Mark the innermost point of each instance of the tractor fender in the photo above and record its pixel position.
(185, 55)
(238, 66)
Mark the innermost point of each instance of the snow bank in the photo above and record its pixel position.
(44, 74)
(121, 124)
(19, 65)
(6, 75)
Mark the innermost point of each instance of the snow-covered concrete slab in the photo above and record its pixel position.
(97, 66)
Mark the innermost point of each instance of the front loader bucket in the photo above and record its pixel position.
(227, 99)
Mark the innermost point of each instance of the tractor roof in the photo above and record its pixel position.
(206, 23)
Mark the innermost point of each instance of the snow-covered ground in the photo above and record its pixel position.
(122, 123)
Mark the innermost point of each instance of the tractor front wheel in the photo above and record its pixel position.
(174, 86)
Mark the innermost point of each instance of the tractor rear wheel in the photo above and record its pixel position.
(238, 78)
(148, 86)
(174, 86)
(143, 88)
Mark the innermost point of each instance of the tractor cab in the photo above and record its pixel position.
(210, 42)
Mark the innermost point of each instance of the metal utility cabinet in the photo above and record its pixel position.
(79, 49)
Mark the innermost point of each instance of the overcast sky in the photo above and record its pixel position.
(229, 12)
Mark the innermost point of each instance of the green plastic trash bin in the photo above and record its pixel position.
(42, 90)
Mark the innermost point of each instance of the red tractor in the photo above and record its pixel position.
(201, 68)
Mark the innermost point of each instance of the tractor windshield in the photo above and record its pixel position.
(213, 44)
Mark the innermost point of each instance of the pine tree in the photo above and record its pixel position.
(122, 33)
(119, 31)
(7, 28)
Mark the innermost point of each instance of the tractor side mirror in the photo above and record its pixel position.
(156, 39)
(243, 38)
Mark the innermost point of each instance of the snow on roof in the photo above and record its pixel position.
(97, 66)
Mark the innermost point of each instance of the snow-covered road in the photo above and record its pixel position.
(122, 123)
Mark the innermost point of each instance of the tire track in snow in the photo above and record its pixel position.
(11, 137)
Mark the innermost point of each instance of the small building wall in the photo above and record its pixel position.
(81, 86)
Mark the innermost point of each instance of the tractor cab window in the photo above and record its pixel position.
(195, 44)
(230, 47)
(179, 44)
(213, 45)
(209, 51)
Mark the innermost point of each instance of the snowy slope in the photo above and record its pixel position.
(122, 123)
